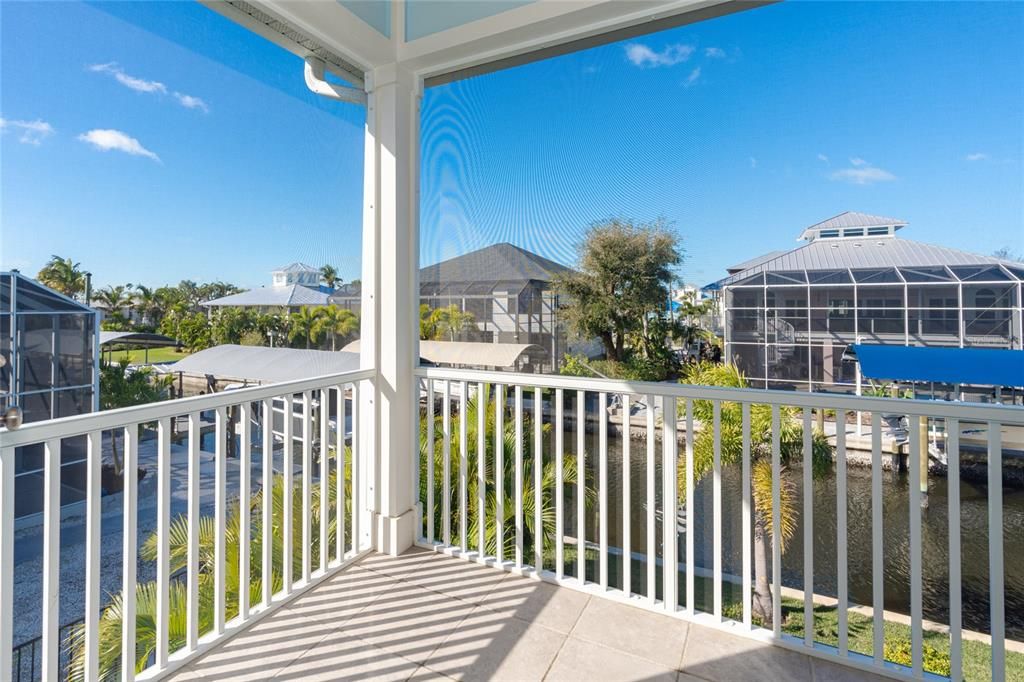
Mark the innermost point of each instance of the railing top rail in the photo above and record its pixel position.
(77, 425)
(1004, 414)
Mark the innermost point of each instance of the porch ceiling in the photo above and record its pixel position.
(446, 40)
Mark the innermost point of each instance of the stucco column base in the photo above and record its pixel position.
(395, 534)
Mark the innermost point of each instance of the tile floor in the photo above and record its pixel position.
(427, 616)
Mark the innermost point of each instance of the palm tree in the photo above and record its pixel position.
(63, 275)
(731, 432)
(473, 517)
(329, 274)
(149, 303)
(336, 322)
(446, 323)
(115, 298)
(305, 325)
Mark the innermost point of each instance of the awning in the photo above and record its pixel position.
(971, 366)
(477, 354)
(136, 339)
(268, 365)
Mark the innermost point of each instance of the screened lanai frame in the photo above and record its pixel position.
(979, 305)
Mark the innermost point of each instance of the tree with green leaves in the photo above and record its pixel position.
(731, 434)
(305, 326)
(329, 276)
(63, 275)
(193, 331)
(621, 284)
(446, 324)
(336, 323)
(124, 387)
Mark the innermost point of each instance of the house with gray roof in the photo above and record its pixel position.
(508, 289)
(787, 316)
(294, 286)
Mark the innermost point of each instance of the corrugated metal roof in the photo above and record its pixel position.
(270, 365)
(867, 253)
(500, 262)
(475, 353)
(287, 296)
(297, 267)
(747, 264)
(855, 219)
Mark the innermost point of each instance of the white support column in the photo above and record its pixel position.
(390, 336)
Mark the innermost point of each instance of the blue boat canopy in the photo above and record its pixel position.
(972, 366)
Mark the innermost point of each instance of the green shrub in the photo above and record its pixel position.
(935, 661)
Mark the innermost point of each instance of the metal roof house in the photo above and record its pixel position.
(294, 286)
(788, 315)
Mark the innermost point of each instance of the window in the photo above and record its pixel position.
(826, 234)
(877, 231)
(853, 232)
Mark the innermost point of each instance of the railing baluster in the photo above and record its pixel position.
(307, 485)
(7, 668)
(995, 550)
(192, 577)
(325, 439)
(747, 511)
(914, 462)
(627, 550)
(670, 560)
(267, 494)
(131, 498)
(357, 497)
(163, 522)
(463, 468)
(339, 477)
(690, 555)
(51, 557)
(219, 516)
(519, 476)
(953, 494)
(716, 514)
(877, 565)
(652, 591)
(93, 542)
(244, 503)
(287, 542)
(481, 469)
(581, 487)
(446, 467)
(431, 478)
(602, 473)
(841, 505)
(776, 524)
(499, 471)
(559, 483)
(538, 478)
(808, 526)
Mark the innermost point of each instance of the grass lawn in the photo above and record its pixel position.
(137, 356)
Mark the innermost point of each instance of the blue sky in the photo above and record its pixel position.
(740, 131)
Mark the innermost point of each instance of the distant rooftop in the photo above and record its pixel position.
(497, 263)
(297, 267)
(849, 223)
(288, 296)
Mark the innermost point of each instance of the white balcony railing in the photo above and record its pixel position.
(467, 415)
(298, 433)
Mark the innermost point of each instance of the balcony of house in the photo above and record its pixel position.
(563, 528)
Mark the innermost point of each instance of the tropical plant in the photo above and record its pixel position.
(63, 275)
(329, 275)
(731, 440)
(448, 323)
(149, 305)
(193, 331)
(304, 326)
(335, 323)
(115, 298)
(508, 442)
(124, 387)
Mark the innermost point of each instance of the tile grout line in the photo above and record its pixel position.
(568, 635)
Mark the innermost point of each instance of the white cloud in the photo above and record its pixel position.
(29, 132)
(645, 57)
(131, 82)
(862, 173)
(148, 86)
(753, 162)
(692, 78)
(190, 102)
(977, 156)
(714, 53)
(822, 157)
(106, 140)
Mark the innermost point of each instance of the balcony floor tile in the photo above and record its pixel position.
(426, 616)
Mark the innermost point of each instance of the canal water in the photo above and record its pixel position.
(896, 514)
